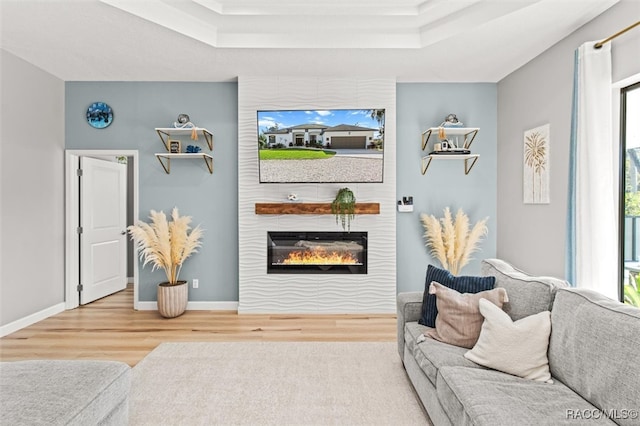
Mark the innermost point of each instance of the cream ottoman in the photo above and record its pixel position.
(46, 392)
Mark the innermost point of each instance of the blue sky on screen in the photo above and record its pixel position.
(284, 119)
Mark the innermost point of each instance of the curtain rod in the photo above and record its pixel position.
(599, 44)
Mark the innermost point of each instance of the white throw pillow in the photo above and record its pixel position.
(518, 348)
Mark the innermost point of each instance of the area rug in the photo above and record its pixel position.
(273, 383)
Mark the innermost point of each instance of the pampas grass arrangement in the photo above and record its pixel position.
(450, 239)
(166, 244)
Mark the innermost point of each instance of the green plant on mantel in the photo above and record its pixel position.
(344, 208)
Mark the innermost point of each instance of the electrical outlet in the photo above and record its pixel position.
(195, 283)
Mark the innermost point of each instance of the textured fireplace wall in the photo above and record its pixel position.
(374, 292)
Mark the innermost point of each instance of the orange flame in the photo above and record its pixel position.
(320, 256)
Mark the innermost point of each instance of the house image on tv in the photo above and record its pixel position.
(342, 136)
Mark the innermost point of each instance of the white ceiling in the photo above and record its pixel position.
(218, 40)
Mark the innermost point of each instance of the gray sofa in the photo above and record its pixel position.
(43, 392)
(593, 358)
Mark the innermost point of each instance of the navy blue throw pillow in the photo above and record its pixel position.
(462, 284)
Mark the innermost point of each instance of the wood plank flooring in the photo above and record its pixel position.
(110, 329)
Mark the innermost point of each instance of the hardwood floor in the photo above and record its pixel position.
(110, 329)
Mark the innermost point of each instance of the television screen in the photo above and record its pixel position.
(321, 146)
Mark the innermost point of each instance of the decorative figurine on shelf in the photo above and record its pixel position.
(192, 149)
(185, 123)
(451, 121)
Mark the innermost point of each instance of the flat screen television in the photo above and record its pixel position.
(321, 146)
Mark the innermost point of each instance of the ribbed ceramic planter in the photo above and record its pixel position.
(172, 299)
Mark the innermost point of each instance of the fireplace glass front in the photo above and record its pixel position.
(316, 252)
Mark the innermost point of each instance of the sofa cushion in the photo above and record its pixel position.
(472, 396)
(594, 349)
(409, 305)
(528, 294)
(459, 320)
(43, 392)
(518, 348)
(462, 284)
(431, 354)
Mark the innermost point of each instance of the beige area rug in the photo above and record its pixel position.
(273, 383)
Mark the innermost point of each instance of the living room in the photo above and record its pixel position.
(530, 236)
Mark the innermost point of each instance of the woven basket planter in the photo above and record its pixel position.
(172, 299)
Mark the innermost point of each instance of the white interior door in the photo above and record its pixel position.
(103, 222)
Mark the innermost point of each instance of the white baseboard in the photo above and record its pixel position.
(21, 323)
(194, 306)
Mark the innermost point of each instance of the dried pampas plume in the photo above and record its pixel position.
(450, 240)
(166, 245)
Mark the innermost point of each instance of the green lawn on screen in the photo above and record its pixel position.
(295, 154)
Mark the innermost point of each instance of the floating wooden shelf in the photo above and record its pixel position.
(469, 160)
(469, 134)
(166, 132)
(311, 208)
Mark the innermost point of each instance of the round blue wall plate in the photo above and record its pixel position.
(99, 115)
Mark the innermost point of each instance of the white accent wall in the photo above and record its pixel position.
(374, 292)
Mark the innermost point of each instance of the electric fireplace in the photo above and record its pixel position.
(316, 252)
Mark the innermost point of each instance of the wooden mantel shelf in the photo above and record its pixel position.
(311, 208)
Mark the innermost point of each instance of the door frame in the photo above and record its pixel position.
(72, 216)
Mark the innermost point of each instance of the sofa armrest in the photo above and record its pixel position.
(409, 307)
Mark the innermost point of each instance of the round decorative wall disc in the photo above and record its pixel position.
(99, 115)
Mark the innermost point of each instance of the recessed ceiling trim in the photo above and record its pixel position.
(342, 40)
(169, 17)
(310, 8)
(435, 10)
(212, 5)
(282, 31)
(475, 15)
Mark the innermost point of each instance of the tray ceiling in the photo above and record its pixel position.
(217, 40)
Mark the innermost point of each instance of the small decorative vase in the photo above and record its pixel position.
(172, 299)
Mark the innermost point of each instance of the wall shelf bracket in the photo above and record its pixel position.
(165, 160)
(469, 160)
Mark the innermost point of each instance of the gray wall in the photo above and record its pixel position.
(32, 190)
(533, 236)
(210, 199)
(424, 105)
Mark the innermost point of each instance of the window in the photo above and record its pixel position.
(630, 188)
